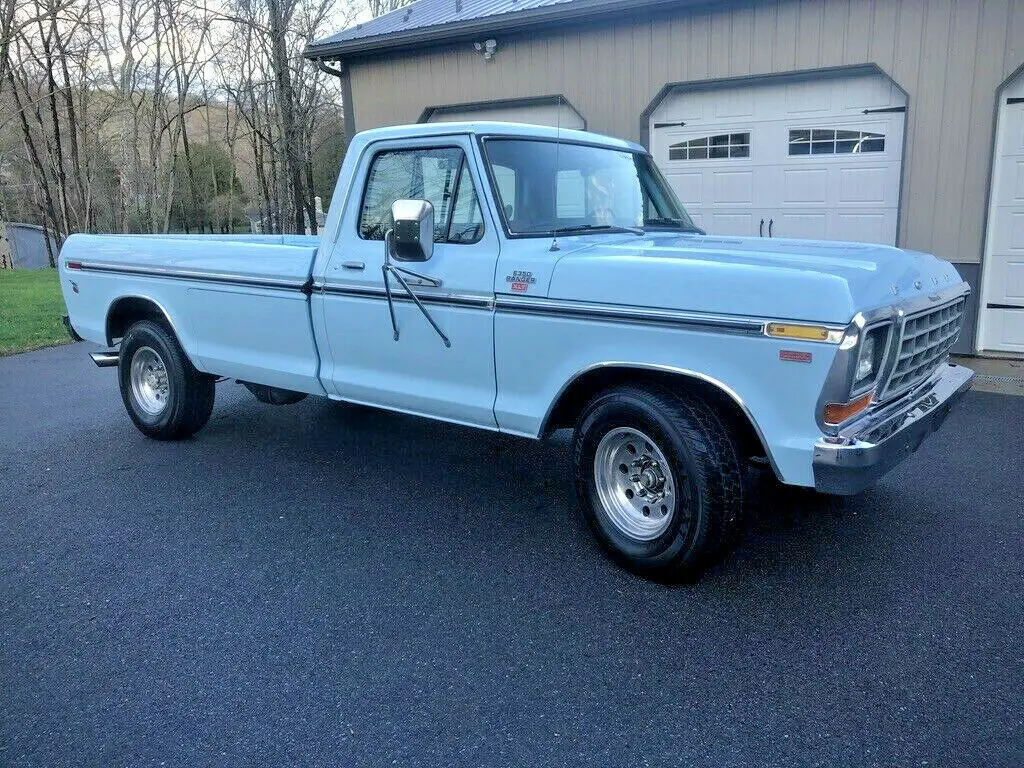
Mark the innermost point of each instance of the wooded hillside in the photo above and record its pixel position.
(168, 115)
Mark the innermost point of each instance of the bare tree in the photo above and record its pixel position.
(380, 7)
(133, 115)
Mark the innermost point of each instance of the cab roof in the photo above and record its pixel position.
(491, 128)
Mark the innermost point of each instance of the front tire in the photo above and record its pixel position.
(164, 394)
(658, 479)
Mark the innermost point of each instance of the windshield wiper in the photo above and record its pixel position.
(578, 228)
(665, 221)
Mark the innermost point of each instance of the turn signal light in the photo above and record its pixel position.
(804, 332)
(837, 413)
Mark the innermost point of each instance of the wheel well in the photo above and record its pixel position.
(574, 398)
(130, 309)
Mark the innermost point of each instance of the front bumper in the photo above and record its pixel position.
(866, 450)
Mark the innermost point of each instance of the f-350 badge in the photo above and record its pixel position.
(519, 281)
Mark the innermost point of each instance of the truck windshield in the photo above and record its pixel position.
(586, 189)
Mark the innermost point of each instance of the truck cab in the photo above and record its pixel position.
(525, 279)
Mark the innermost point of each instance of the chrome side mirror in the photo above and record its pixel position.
(412, 236)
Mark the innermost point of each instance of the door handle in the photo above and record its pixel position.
(770, 222)
(760, 229)
(353, 265)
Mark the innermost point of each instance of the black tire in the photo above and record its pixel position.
(187, 396)
(707, 483)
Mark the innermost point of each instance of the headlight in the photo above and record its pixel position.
(865, 361)
(869, 358)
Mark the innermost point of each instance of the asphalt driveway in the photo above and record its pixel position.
(321, 584)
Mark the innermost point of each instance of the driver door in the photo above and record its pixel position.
(416, 372)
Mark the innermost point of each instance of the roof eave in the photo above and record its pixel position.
(517, 21)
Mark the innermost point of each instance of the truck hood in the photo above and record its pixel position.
(817, 280)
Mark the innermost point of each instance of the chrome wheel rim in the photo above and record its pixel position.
(634, 483)
(149, 381)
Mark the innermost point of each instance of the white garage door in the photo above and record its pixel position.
(818, 159)
(535, 114)
(1001, 326)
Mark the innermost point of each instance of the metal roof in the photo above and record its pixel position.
(431, 13)
(426, 22)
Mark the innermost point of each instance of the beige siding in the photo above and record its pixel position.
(949, 56)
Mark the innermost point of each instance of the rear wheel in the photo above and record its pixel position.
(658, 479)
(166, 397)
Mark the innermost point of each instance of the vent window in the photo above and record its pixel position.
(720, 147)
(832, 141)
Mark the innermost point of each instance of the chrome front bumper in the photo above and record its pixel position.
(869, 448)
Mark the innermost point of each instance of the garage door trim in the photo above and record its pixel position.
(551, 100)
(793, 76)
(1000, 101)
(796, 75)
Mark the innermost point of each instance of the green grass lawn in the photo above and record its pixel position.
(31, 307)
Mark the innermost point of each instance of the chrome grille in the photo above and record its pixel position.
(925, 341)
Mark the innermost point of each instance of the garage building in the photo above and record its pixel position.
(872, 120)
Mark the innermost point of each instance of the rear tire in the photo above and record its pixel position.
(164, 394)
(659, 480)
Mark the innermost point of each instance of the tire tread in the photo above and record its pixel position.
(192, 409)
(717, 470)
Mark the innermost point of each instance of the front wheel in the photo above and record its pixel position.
(166, 397)
(658, 479)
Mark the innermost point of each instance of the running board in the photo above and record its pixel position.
(105, 359)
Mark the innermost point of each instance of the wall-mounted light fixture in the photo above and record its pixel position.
(487, 48)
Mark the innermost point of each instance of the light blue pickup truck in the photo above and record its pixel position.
(523, 279)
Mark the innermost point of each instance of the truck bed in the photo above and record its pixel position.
(238, 303)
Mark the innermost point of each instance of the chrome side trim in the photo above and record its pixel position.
(721, 385)
(624, 314)
(252, 281)
(372, 292)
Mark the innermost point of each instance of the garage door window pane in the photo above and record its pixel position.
(832, 141)
(570, 195)
(505, 178)
(719, 147)
(467, 219)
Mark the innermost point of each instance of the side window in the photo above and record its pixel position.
(433, 174)
(467, 225)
